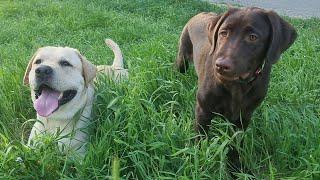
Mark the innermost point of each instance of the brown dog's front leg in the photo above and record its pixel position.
(203, 120)
(234, 165)
(234, 162)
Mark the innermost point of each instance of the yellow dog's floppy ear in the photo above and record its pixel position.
(89, 70)
(26, 74)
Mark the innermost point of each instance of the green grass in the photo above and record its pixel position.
(144, 127)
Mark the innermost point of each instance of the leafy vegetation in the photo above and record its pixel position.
(144, 127)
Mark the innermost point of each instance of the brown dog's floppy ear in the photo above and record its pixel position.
(89, 70)
(282, 36)
(211, 26)
(214, 27)
(26, 74)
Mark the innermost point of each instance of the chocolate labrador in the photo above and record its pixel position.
(233, 54)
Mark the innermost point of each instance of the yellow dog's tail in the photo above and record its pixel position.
(118, 58)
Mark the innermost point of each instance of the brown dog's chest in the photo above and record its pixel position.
(230, 102)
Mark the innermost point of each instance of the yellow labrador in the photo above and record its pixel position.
(62, 92)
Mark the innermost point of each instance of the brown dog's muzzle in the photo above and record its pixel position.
(224, 66)
(225, 70)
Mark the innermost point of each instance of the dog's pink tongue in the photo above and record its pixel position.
(47, 102)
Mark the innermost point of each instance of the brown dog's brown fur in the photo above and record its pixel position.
(233, 54)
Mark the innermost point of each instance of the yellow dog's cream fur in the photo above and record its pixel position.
(116, 70)
(73, 118)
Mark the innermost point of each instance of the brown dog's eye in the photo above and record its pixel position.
(253, 37)
(38, 61)
(64, 63)
(223, 33)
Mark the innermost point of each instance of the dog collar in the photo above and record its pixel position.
(254, 77)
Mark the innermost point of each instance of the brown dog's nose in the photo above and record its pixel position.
(223, 65)
(43, 71)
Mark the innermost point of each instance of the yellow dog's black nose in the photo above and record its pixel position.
(44, 71)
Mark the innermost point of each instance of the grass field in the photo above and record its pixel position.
(144, 127)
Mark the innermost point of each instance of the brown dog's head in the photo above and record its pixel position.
(243, 40)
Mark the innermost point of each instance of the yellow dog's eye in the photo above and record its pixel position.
(38, 61)
(253, 37)
(64, 63)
